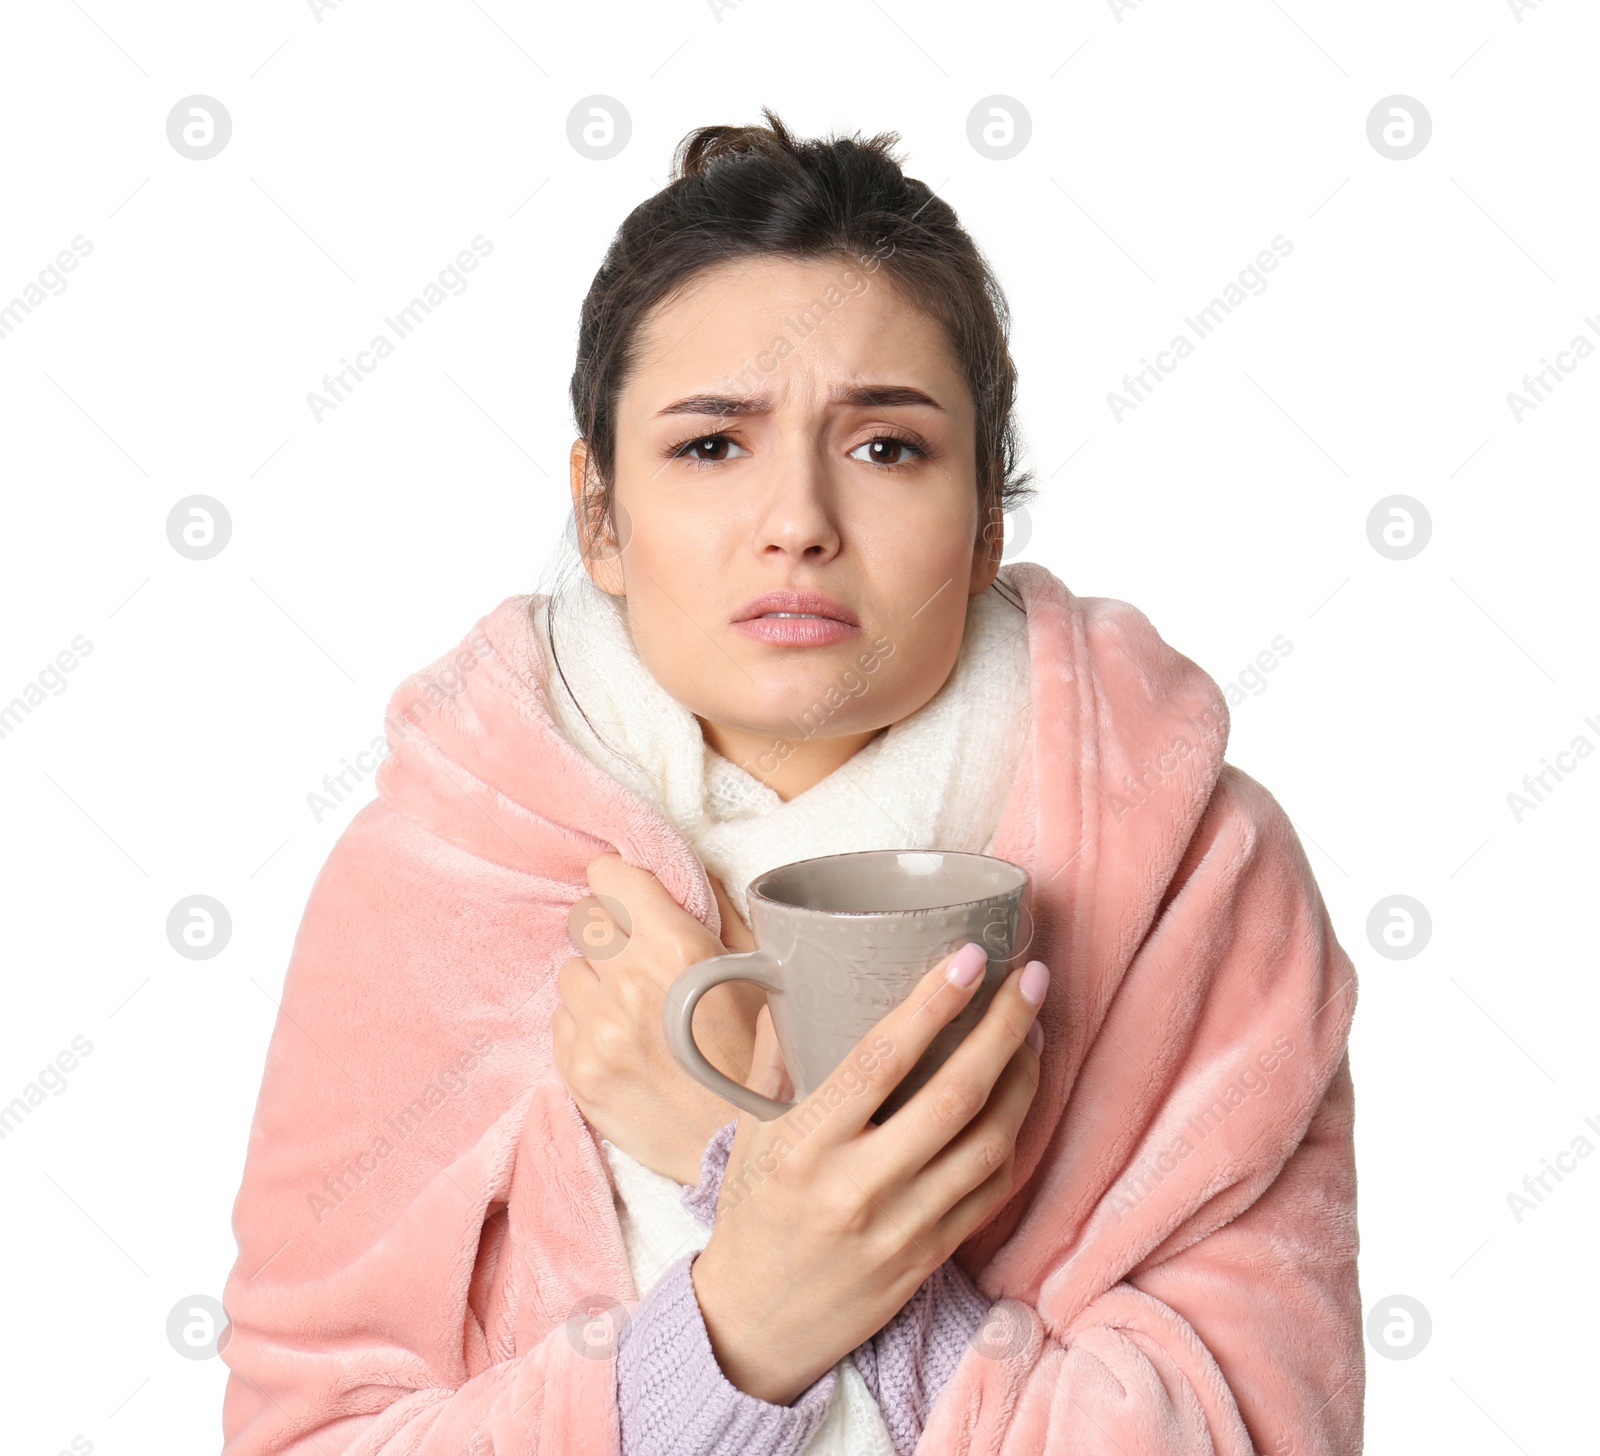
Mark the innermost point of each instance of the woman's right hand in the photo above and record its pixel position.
(825, 1229)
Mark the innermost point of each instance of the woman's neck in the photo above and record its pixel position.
(786, 765)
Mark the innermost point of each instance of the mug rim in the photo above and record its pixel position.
(753, 893)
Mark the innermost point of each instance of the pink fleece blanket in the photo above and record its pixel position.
(425, 1226)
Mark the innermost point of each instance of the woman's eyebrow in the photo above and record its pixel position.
(881, 396)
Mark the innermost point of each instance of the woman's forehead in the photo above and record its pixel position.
(782, 333)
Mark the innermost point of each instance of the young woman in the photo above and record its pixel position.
(484, 1210)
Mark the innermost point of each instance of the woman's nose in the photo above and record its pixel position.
(798, 514)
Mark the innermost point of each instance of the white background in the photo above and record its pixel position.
(1169, 145)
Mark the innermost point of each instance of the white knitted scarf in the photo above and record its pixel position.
(937, 779)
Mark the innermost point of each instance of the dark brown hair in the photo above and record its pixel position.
(752, 191)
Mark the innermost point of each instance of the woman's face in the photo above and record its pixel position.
(794, 427)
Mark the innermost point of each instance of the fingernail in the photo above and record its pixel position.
(1035, 982)
(967, 964)
(1035, 1038)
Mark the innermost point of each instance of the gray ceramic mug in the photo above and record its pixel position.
(842, 939)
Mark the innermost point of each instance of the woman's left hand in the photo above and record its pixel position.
(606, 1033)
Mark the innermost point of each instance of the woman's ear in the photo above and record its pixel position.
(986, 555)
(577, 468)
(597, 541)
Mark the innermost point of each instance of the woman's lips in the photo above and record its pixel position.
(789, 630)
(796, 604)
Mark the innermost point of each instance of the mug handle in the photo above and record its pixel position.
(677, 1021)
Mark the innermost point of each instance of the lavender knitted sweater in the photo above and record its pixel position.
(675, 1401)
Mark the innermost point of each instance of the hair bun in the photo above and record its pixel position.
(706, 145)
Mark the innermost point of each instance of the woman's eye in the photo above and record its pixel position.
(886, 451)
(717, 445)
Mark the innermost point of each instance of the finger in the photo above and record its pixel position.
(652, 913)
(768, 1075)
(576, 980)
(562, 1029)
(880, 1060)
(966, 1175)
(736, 934)
(594, 930)
(563, 1037)
(581, 993)
(930, 1123)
